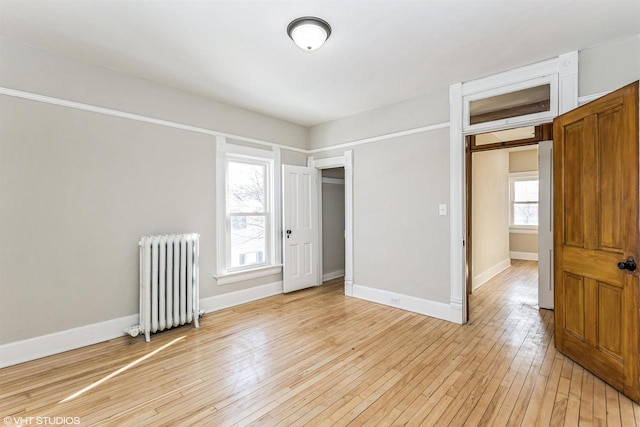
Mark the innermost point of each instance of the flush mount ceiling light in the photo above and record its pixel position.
(309, 32)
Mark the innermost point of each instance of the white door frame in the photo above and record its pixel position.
(345, 161)
(566, 68)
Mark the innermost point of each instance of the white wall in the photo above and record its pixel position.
(27, 69)
(490, 215)
(79, 189)
(401, 244)
(410, 114)
(609, 66)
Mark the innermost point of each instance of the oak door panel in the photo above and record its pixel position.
(596, 188)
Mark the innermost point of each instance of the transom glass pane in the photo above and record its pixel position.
(508, 135)
(246, 187)
(513, 104)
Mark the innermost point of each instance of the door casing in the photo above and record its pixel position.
(345, 161)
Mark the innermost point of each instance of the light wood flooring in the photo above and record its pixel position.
(316, 357)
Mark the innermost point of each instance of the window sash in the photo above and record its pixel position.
(266, 257)
(265, 165)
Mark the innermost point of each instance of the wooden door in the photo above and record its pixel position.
(300, 220)
(595, 233)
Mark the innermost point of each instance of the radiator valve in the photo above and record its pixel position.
(134, 331)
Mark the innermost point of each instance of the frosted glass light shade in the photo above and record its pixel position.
(309, 33)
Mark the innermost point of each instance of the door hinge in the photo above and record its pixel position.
(463, 242)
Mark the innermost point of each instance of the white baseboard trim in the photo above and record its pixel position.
(456, 314)
(482, 278)
(231, 299)
(58, 342)
(348, 286)
(332, 275)
(527, 256)
(70, 339)
(406, 302)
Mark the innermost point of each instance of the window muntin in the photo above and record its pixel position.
(524, 192)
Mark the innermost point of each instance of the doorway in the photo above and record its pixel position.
(332, 224)
(344, 162)
(505, 204)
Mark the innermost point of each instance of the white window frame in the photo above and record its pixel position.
(514, 177)
(272, 264)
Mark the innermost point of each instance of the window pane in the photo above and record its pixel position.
(525, 191)
(246, 187)
(519, 103)
(525, 214)
(248, 241)
(508, 135)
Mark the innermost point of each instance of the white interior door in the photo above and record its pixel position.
(545, 226)
(300, 225)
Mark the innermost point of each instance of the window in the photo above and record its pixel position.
(247, 211)
(521, 103)
(523, 190)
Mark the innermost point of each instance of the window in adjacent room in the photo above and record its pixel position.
(523, 190)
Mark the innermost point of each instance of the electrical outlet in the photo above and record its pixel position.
(395, 301)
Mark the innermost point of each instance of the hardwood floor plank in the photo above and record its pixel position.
(586, 400)
(319, 358)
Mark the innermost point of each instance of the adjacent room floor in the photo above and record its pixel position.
(316, 357)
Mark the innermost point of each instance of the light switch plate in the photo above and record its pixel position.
(442, 210)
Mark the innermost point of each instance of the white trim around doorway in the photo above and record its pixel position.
(345, 161)
(566, 68)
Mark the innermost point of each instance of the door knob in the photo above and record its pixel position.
(288, 233)
(629, 264)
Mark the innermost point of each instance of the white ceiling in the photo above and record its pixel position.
(380, 52)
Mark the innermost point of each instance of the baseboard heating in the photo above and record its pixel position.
(169, 283)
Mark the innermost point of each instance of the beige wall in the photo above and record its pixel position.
(523, 160)
(332, 225)
(490, 212)
(520, 242)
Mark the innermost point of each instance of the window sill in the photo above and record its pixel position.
(254, 273)
(517, 230)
